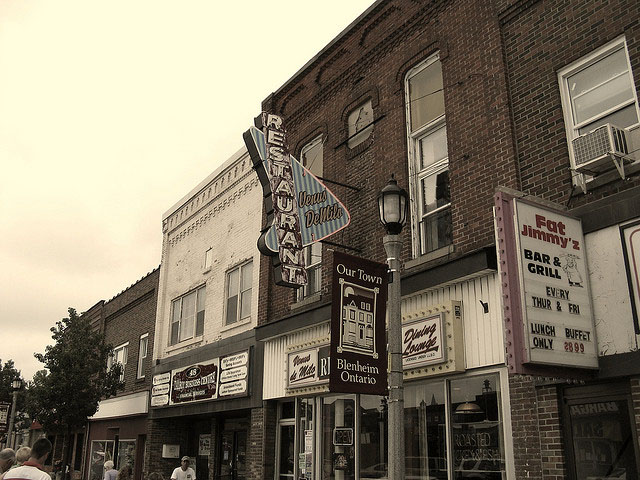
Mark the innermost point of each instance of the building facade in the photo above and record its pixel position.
(206, 392)
(474, 107)
(118, 429)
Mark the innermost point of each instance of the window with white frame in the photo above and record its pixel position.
(187, 316)
(239, 283)
(428, 157)
(313, 264)
(311, 157)
(208, 258)
(142, 353)
(119, 355)
(598, 89)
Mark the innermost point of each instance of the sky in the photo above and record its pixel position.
(111, 112)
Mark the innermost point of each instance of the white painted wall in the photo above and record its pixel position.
(224, 212)
(610, 292)
(483, 332)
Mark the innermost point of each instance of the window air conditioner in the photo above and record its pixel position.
(605, 148)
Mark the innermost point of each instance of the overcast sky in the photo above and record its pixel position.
(110, 112)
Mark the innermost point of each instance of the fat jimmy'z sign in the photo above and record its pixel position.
(358, 361)
(300, 209)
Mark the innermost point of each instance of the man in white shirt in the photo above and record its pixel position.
(184, 471)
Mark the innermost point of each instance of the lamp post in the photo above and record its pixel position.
(393, 202)
(16, 385)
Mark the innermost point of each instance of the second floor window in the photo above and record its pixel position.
(312, 159)
(239, 283)
(598, 89)
(119, 355)
(187, 316)
(142, 354)
(428, 158)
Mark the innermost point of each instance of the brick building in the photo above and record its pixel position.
(206, 401)
(474, 107)
(118, 429)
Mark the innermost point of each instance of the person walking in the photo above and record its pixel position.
(110, 473)
(32, 469)
(184, 471)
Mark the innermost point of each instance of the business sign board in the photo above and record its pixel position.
(4, 417)
(422, 342)
(555, 295)
(217, 379)
(630, 234)
(358, 361)
(300, 209)
(195, 383)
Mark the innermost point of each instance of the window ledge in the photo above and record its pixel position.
(427, 257)
(612, 176)
(235, 325)
(316, 297)
(206, 270)
(186, 343)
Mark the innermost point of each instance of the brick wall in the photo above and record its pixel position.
(127, 316)
(159, 432)
(536, 429)
(541, 38)
(371, 61)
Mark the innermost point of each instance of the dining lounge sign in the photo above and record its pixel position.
(300, 209)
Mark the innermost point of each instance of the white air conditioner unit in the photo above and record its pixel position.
(603, 149)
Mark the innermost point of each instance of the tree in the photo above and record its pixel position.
(62, 397)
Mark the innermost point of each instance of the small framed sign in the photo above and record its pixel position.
(342, 437)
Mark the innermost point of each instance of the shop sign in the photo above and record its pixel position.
(556, 300)
(233, 374)
(631, 249)
(204, 444)
(4, 417)
(300, 209)
(422, 342)
(160, 389)
(303, 367)
(358, 361)
(343, 436)
(195, 383)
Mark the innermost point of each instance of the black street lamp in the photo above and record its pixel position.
(393, 202)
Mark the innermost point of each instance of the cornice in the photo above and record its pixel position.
(209, 211)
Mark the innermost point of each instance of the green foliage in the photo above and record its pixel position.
(63, 396)
(8, 374)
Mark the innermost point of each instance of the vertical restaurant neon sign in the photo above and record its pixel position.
(300, 209)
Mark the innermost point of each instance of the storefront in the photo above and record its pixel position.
(118, 432)
(202, 407)
(456, 418)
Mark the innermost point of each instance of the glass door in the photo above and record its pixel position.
(233, 455)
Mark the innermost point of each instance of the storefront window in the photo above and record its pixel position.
(101, 451)
(425, 431)
(602, 441)
(126, 453)
(373, 437)
(477, 443)
(338, 432)
(306, 440)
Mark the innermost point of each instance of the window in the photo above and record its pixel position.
(428, 158)
(187, 314)
(360, 124)
(142, 354)
(598, 89)
(119, 355)
(208, 259)
(311, 155)
(239, 282)
(313, 263)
